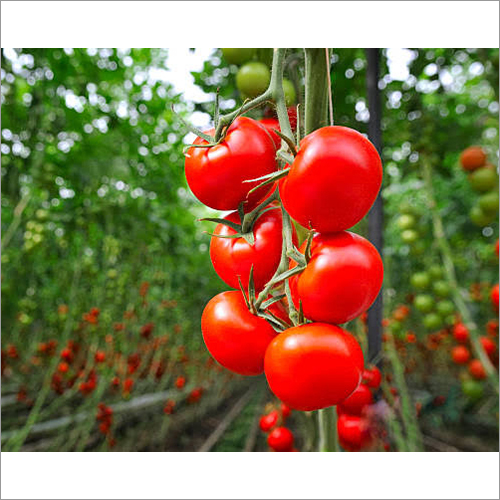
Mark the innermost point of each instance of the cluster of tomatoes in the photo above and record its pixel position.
(355, 428)
(279, 438)
(331, 184)
(483, 179)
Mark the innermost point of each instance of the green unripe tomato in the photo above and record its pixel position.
(488, 203)
(445, 308)
(483, 179)
(41, 214)
(405, 221)
(238, 56)
(472, 389)
(112, 274)
(480, 218)
(420, 280)
(432, 321)
(441, 288)
(409, 236)
(289, 90)
(424, 303)
(436, 272)
(253, 79)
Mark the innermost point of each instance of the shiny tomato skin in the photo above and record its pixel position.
(271, 125)
(372, 377)
(357, 402)
(342, 279)
(313, 366)
(280, 439)
(460, 354)
(233, 257)
(235, 337)
(267, 422)
(333, 180)
(354, 432)
(216, 174)
(460, 332)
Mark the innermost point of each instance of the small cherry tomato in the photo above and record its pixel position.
(494, 297)
(235, 337)
(488, 345)
(460, 354)
(372, 377)
(285, 410)
(280, 439)
(472, 158)
(460, 332)
(313, 366)
(267, 422)
(476, 369)
(333, 181)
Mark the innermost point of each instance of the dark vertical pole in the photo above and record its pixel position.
(376, 214)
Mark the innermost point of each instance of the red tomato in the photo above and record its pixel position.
(357, 402)
(497, 247)
(180, 382)
(494, 297)
(267, 422)
(280, 439)
(233, 257)
(476, 369)
(216, 174)
(333, 180)
(372, 377)
(313, 366)
(488, 345)
(460, 332)
(285, 410)
(234, 336)
(342, 279)
(472, 158)
(271, 124)
(460, 354)
(354, 432)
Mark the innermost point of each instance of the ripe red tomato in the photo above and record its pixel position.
(280, 439)
(234, 336)
(476, 369)
(216, 174)
(488, 345)
(285, 410)
(333, 180)
(460, 332)
(272, 124)
(233, 257)
(372, 377)
(357, 402)
(494, 297)
(180, 382)
(267, 422)
(313, 366)
(472, 158)
(460, 354)
(342, 279)
(354, 432)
